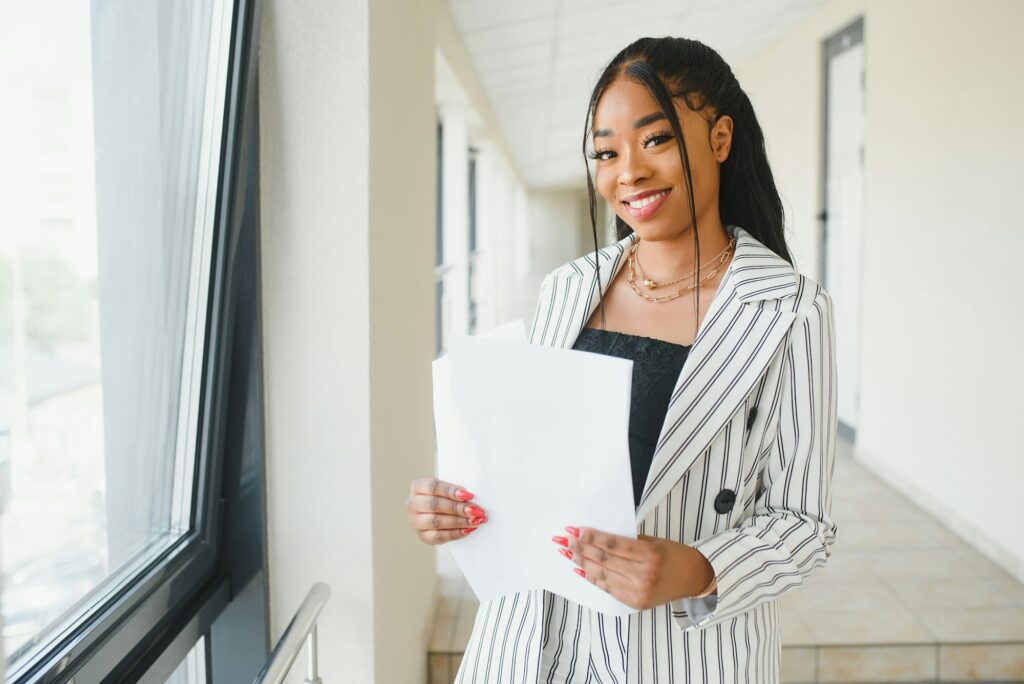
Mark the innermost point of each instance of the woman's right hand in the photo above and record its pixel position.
(439, 511)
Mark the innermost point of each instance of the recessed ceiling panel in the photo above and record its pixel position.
(539, 59)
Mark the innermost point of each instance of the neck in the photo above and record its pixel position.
(669, 258)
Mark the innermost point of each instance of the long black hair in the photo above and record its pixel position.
(683, 68)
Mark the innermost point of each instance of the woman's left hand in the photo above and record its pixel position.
(643, 572)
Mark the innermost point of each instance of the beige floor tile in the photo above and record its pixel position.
(463, 630)
(987, 568)
(1010, 589)
(440, 669)
(953, 624)
(898, 535)
(898, 582)
(981, 662)
(441, 637)
(962, 592)
(849, 627)
(862, 595)
(794, 629)
(924, 564)
(798, 665)
(788, 599)
(949, 538)
(877, 664)
(844, 566)
(868, 508)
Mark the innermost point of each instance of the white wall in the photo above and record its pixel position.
(347, 176)
(942, 318)
(556, 227)
(503, 286)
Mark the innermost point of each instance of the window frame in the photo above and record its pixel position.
(133, 624)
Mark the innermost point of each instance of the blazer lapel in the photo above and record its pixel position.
(735, 342)
(574, 293)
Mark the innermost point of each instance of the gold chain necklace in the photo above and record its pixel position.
(651, 285)
(631, 277)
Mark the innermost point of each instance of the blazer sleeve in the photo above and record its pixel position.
(542, 311)
(791, 530)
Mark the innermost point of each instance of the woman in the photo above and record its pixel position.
(733, 414)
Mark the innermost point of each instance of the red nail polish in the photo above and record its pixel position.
(463, 495)
(574, 531)
(566, 552)
(580, 572)
(562, 541)
(478, 520)
(474, 511)
(467, 530)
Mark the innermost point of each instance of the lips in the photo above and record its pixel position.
(651, 201)
(640, 195)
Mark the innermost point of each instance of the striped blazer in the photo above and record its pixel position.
(742, 471)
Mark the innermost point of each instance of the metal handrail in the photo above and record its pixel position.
(302, 628)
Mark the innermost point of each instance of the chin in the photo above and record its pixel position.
(653, 232)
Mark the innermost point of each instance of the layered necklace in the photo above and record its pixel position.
(634, 268)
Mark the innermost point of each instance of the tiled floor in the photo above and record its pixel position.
(901, 600)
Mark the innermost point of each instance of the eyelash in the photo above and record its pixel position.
(596, 154)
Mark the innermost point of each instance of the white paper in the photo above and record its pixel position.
(540, 436)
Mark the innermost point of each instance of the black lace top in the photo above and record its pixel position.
(656, 367)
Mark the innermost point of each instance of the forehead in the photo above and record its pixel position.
(624, 95)
(624, 102)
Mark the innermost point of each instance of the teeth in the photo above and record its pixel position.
(640, 204)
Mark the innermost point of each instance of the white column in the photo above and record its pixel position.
(347, 156)
(455, 213)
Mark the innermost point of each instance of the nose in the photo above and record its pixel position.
(633, 168)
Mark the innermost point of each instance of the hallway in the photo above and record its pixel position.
(878, 612)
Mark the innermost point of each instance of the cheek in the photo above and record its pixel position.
(613, 202)
(604, 186)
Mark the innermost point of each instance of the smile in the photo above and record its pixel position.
(644, 208)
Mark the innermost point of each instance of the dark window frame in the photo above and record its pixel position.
(472, 157)
(133, 627)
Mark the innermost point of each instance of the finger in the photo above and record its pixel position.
(603, 577)
(425, 503)
(438, 521)
(438, 487)
(443, 536)
(582, 553)
(611, 544)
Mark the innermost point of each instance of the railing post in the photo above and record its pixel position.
(311, 656)
(300, 630)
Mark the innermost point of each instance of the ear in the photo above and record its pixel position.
(721, 138)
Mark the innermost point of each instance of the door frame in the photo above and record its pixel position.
(845, 38)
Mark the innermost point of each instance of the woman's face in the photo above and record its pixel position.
(644, 160)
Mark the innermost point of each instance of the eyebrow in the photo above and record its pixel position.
(639, 123)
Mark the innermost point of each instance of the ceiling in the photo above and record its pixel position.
(539, 59)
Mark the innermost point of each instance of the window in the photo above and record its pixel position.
(120, 152)
(192, 669)
(474, 304)
(439, 300)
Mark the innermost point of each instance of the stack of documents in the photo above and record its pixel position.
(540, 436)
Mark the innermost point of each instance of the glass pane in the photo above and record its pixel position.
(192, 669)
(110, 134)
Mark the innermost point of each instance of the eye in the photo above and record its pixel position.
(660, 136)
(657, 135)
